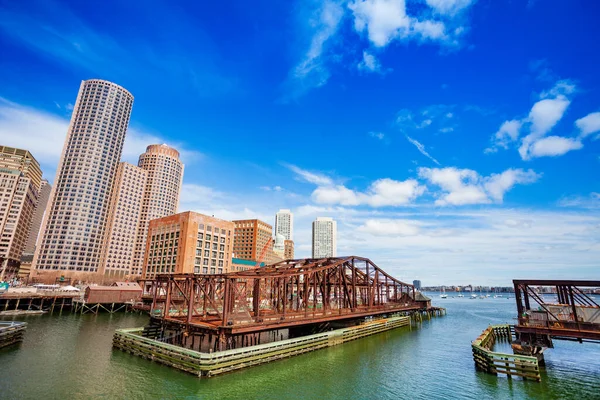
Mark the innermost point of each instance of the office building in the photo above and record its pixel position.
(74, 228)
(288, 250)
(124, 220)
(284, 224)
(188, 242)
(324, 237)
(20, 181)
(38, 217)
(250, 239)
(161, 195)
(417, 284)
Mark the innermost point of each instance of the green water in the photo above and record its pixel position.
(70, 357)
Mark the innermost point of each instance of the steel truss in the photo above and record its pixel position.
(289, 293)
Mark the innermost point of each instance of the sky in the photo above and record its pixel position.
(454, 141)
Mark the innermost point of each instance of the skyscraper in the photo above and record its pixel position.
(284, 224)
(161, 195)
(38, 217)
(124, 220)
(324, 237)
(74, 227)
(20, 179)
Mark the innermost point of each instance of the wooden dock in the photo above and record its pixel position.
(495, 363)
(11, 332)
(209, 364)
(46, 300)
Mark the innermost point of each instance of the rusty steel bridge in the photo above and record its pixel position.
(290, 294)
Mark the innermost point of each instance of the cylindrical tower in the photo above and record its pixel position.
(161, 197)
(75, 224)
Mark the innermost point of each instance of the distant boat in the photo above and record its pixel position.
(461, 295)
(443, 294)
(473, 296)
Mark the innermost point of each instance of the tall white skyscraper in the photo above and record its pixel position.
(284, 224)
(324, 237)
(74, 227)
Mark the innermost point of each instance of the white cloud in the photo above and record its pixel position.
(542, 118)
(377, 135)
(421, 149)
(546, 113)
(311, 71)
(381, 193)
(434, 30)
(311, 177)
(508, 132)
(369, 63)
(384, 20)
(553, 146)
(592, 201)
(498, 184)
(588, 124)
(465, 186)
(389, 227)
(449, 7)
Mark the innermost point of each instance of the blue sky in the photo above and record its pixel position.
(455, 141)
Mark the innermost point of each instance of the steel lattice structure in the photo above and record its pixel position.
(287, 294)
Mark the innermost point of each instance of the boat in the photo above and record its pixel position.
(461, 295)
(443, 294)
(473, 296)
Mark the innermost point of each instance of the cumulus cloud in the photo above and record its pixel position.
(544, 115)
(465, 186)
(421, 149)
(381, 193)
(377, 135)
(588, 124)
(553, 146)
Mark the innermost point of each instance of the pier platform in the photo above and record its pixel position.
(11, 332)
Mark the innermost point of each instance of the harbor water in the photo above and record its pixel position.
(71, 357)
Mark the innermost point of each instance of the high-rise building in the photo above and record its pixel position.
(74, 228)
(417, 284)
(188, 242)
(20, 180)
(284, 224)
(250, 238)
(288, 250)
(324, 237)
(161, 195)
(38, 217)
(124, 220)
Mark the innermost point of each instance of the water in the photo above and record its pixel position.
(70, 357)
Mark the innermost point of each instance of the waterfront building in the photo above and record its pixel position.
(188, 242)
(124, 220)
(288, 250)
(284, 224)
(74, 228)
(161, 195)
(324, 237)
(38, 217)
(20, 181)
(250, 238)
(417, 284)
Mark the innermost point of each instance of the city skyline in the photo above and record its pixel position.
(477, 156)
